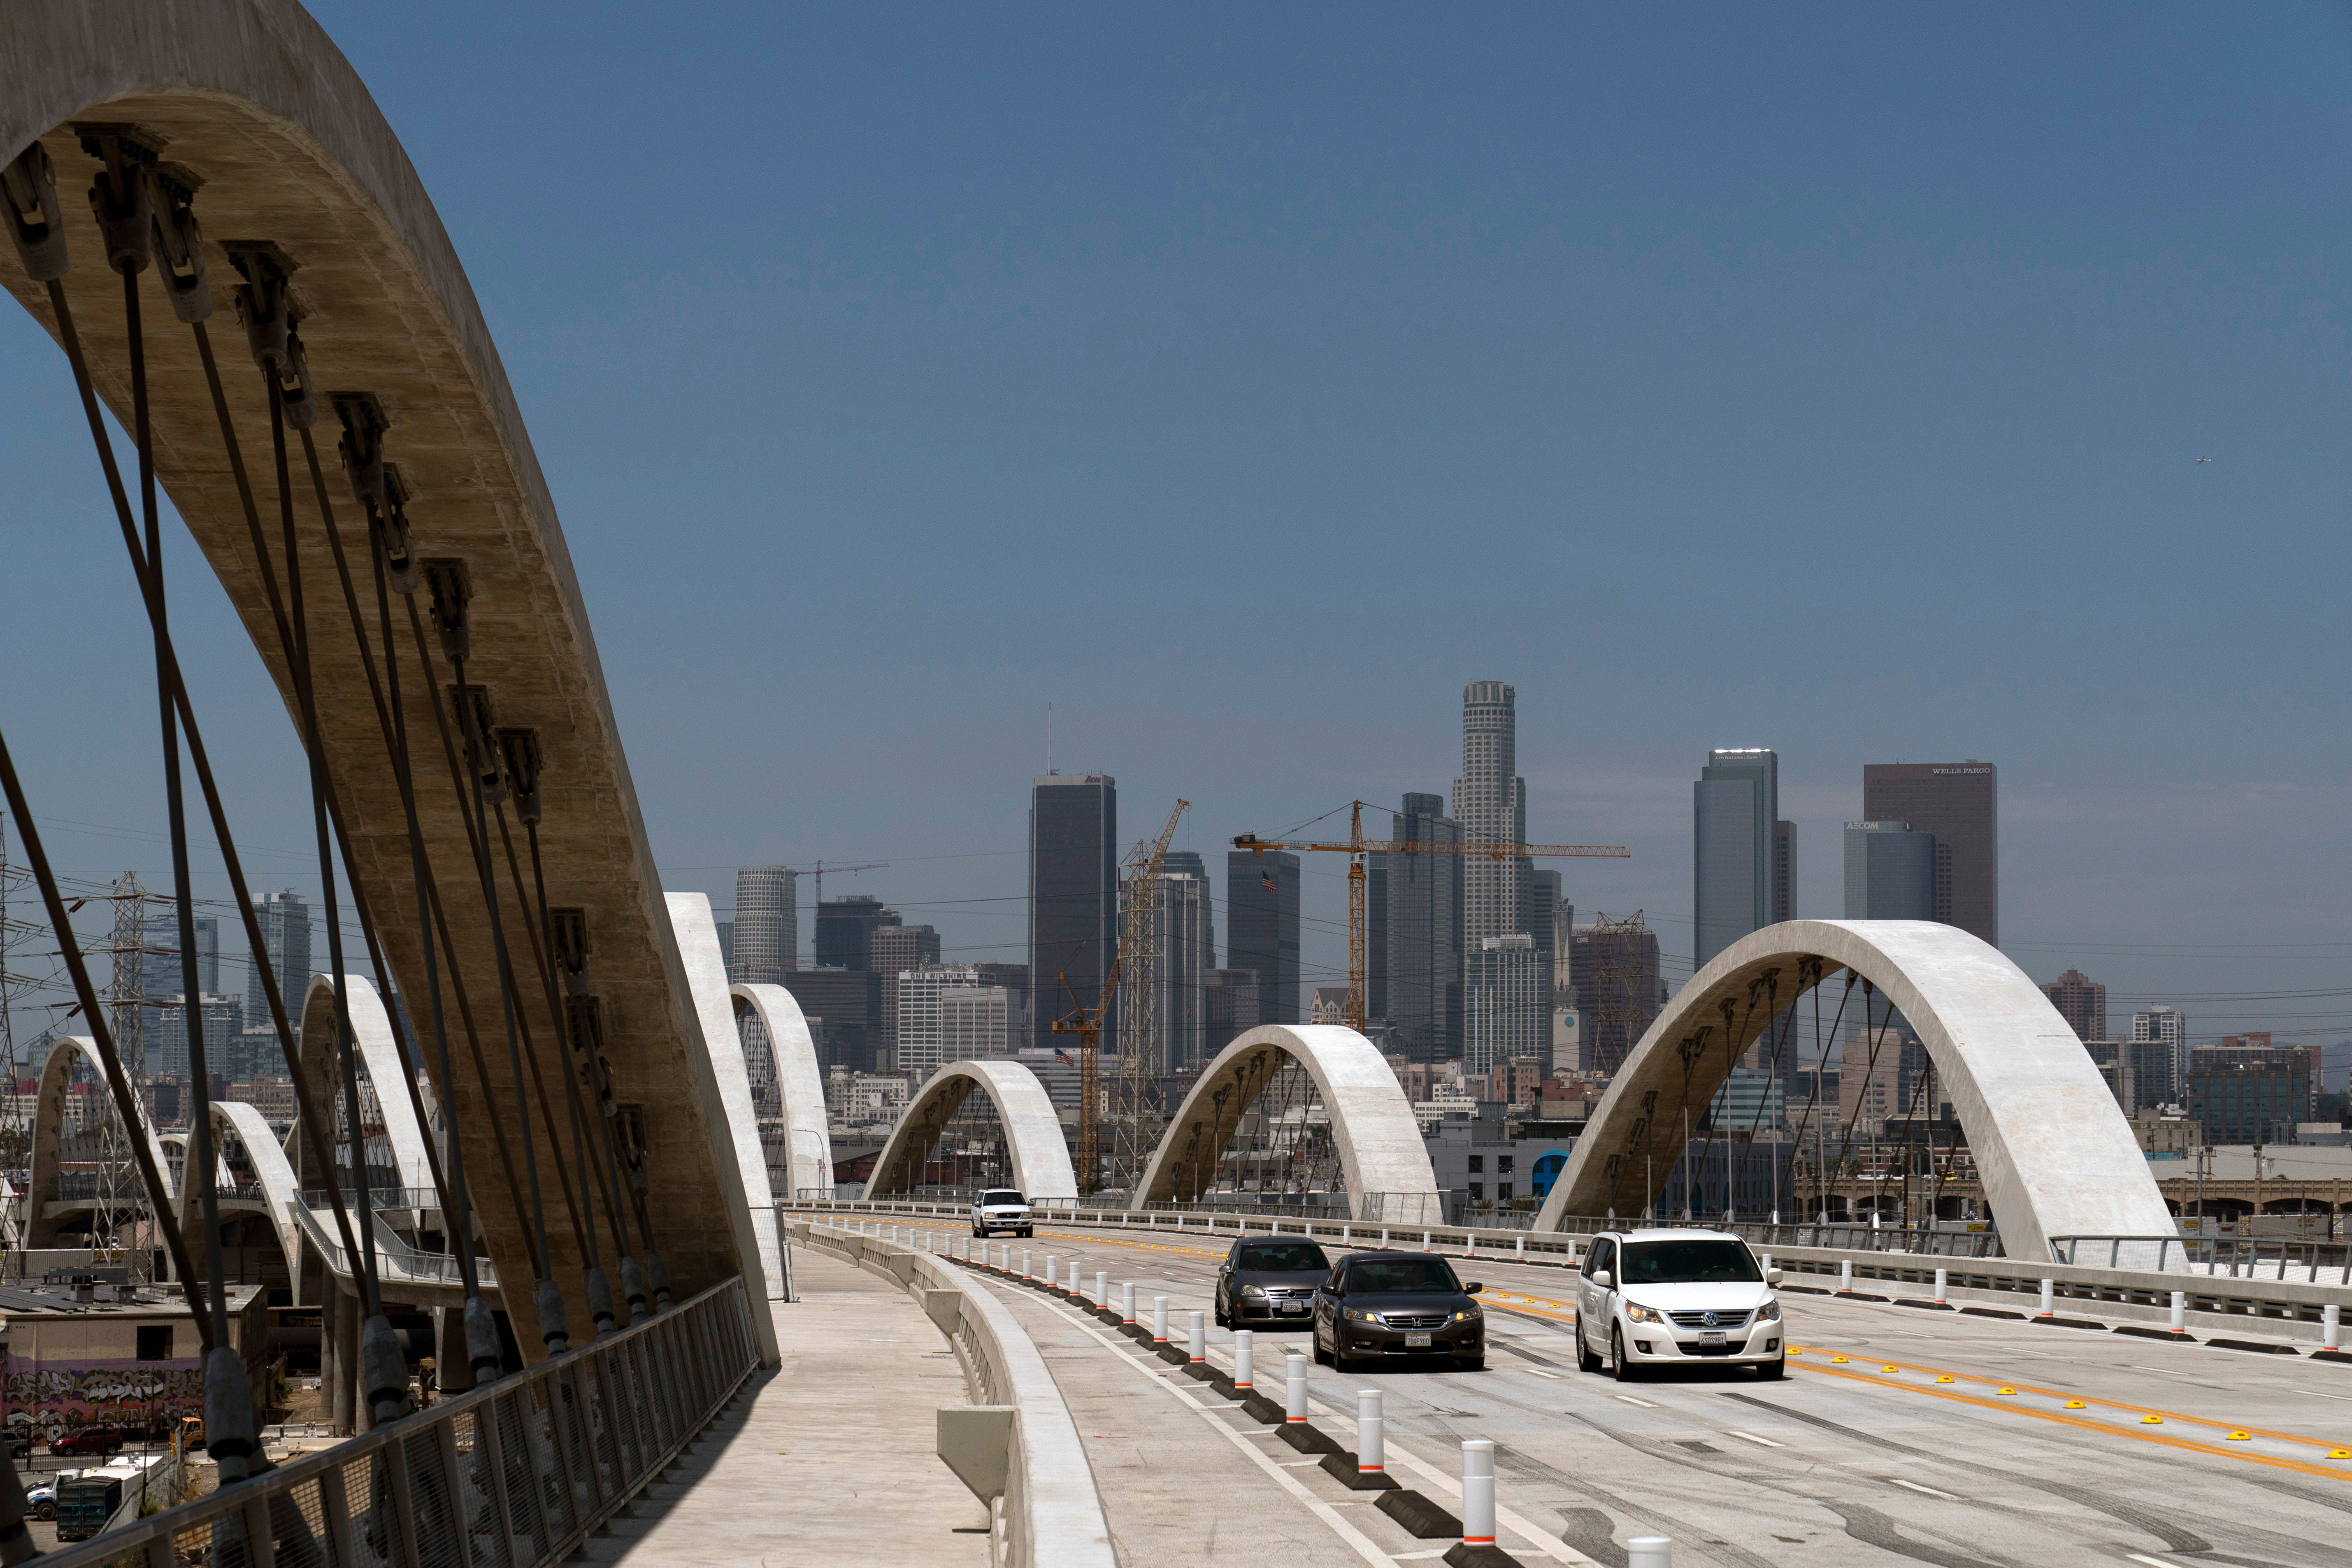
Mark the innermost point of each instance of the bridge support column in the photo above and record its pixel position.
(453, 1369)
(342, 1331)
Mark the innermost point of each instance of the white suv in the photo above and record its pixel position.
(1000, 1208)
(1666, 1297)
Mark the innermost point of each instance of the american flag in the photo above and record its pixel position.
(1266, 879)
(1063, 1058)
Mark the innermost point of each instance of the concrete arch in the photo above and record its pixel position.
(1032, 1131)
(1373, 1123)
(48, 1139)
(379, 1053)
(737, 1136)
(2054, 1154)
(281, 1189)
(258, 102)
(800, 1086)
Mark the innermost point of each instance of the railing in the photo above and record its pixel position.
(376, 1197)
(399, 1260)
(514, 1474)
(2250, 1258)
(1922, 1242)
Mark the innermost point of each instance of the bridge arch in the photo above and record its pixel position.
(45, 1186)
(1382, 1156)
(281, 1189)
(2054, 1154)
(1032, 1131)
(800, 1086)
(259, 103)
(379, 1054)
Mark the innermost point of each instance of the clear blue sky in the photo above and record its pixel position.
(1244, 380)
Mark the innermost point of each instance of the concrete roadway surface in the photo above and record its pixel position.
(1941, 1438)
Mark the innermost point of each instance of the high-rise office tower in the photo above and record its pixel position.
(1958, 803)
(1184, 949)
(917, 995)
(224, 1023)
(1232, 998)
(1543, 906)
(1013, 980)
(1490, 801)
(1072, 898)
(2082, 1002)
(1890, 872)
(1615, 978)
(158, 974)
(285, 921)
(895, 949)
(1262, 928)
(1735, 841)
(1419, 958)
(844, 930)
(1505, 1013)
(2169, 1026)
(1784, 872)
(767, 926)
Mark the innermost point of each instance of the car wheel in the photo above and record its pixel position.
(46, 1510)
(1619, 1367)
(1585, 1360)
(1772, 1368)
(1322, 1356)
(1225, 1318)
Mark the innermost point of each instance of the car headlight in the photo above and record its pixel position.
(1357, 1315)
(1468, 1315)
(1254, 1292)
(1636, 1312)
(1770, 1313)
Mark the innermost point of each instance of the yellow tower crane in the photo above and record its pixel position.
(1357, 846)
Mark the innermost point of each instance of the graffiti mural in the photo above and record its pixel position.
(53, 1398)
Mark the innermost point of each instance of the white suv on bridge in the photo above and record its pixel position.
(1676, 1298)
(1000, 1208)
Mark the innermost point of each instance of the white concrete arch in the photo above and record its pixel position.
(800, 1086)
(1032, 1131)
(735, 1134)
(48, 1136)
(1373, 1129)
(2055, 1155)
(281, 1190)
(379, 1053)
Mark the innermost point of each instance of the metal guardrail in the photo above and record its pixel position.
(514, 1474)
(376, 1197)
(2249, 1257)
(400, 1261)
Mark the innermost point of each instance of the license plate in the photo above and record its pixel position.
(1416, 1342)
(1711, 1338)
(1290, 1306)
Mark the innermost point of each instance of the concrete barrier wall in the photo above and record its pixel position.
(1050, 1512)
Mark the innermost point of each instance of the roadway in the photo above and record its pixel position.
(1963, 1441)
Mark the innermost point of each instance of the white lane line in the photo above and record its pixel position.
(1642, 1402)
(2316, 1394)
(1534, 1372)
(1752, 1437)
(2168, 1371)
(1916, 1486)
(2152, 1562)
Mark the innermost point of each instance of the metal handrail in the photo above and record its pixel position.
(540, 1460)
(407, 1262)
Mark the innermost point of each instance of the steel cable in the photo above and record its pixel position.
(1797, 1144)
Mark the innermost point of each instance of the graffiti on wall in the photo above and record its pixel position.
(55, 1398)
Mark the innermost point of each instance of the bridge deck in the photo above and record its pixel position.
(832, 1459)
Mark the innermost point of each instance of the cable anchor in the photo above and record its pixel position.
(266, 303)
(31, 184)
(122, 197)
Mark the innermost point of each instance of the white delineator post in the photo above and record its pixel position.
(1845, 1276)
(1939, 1288)
(1293, 1390)
(1160, 1319)
(1244, 1353)
(1372, 1434)
(1127, 1302)
(1477, 1491)
(2331, 1327)
(1025, 1265)
(2181, 1311)
(1053, 1270)
(1650, 1552)
(1102, 1289)
(2049, 1300)
(1196, 1350)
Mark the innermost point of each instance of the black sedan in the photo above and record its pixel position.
(1269, 1279)
(1395, 1305)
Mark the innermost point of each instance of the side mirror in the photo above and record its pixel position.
(1601, 1277)
(1772, 1276)
(1472, 1288)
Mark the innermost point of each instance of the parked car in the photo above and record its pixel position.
(87, 1441)
(1269, 1279)
(1375, 1306)
(1000, 1208)
(1669, 1298)
(18, 1445)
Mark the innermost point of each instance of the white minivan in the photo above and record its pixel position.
(1676, 1298)
(1000, 1208)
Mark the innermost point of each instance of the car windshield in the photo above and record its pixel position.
(1710, 1262)
(1002, 1195)
(1396, 1275)
(1291, 1257)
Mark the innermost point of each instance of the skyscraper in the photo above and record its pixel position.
(2170, 1027)
(2082, 1002)
(1958, 803)
(1262, 928)
(1419, 956)
(767, 926)
(916, 996)
(1890, 872)
(285, 921)
(1784, 873)
(844, 930)
(1543, 906)
(1615, 973)
(894, 950)
(1184, 949)
(1490, 801)
(158, 974)
(1073, 897)
(1735, 841)
(1504, 1014)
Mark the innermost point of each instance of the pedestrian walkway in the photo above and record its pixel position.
(831, 1458)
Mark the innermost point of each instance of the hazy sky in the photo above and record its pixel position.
(1243, 381)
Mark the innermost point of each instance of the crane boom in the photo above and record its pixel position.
(1357, 846)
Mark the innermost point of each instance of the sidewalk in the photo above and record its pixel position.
(829, 1459)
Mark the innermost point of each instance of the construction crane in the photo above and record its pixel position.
(1143, 863)
(1357, 846)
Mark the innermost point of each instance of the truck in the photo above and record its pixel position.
(85, 1502)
